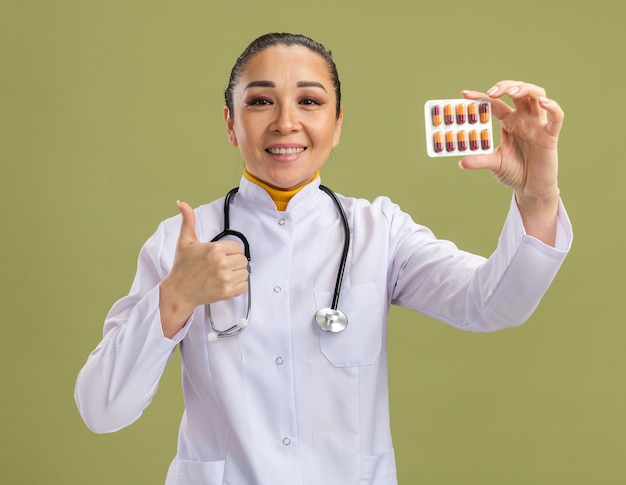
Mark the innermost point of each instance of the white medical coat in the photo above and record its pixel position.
(285, 403)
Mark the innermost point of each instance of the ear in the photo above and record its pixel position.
(232, 138)
(338, 124)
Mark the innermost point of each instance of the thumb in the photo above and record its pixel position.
(188, 226)
(476, 162)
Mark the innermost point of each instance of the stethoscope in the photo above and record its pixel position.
(329, 319)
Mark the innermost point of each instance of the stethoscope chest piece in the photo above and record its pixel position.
(331, 320)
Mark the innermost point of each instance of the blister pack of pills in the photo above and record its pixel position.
(458, 127)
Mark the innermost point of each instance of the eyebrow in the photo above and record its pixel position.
(271, 84)
(310, 84)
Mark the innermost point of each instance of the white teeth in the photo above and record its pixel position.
(285, 151)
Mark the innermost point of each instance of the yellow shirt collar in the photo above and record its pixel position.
(280, 197)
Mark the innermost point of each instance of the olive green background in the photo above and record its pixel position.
(110, 111)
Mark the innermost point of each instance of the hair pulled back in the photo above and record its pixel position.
(285, 39)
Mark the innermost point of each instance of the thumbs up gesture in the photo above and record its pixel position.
(202, 273)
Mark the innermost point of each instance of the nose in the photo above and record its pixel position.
(286, 120)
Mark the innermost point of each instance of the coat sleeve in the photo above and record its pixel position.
(474, 293)
(122, 374)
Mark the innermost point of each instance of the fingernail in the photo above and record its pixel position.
(492, 91)
(513, 90)
(543, 100)
(461, 164)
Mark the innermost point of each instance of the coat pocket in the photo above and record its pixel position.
(360, 343)
(185, 472)
(379, 469)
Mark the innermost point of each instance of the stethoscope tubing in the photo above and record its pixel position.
(227, 230)
(329, 319)
(346, 246)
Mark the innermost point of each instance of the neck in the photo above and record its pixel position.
(280, 197)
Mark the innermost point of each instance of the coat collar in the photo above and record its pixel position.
(258, 196)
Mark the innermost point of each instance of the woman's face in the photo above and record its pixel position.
(284, 116)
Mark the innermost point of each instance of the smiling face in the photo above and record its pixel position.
(284, 117)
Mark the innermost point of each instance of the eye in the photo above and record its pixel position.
(309, 102)
(259, 102)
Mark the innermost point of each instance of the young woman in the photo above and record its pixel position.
(281, 392)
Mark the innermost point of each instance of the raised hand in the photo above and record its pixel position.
(203, 272)
(527, 158)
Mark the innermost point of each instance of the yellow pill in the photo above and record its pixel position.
(437, 142)
(436, 115)
(461, 140)
(448, 116)
(450, 141)
(472, 113)
(483, 109)
(460, 113)
(485, 140)
(473, 139)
